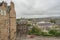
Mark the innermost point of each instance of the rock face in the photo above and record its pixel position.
(7, 21)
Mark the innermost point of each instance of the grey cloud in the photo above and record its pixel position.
(36, 8)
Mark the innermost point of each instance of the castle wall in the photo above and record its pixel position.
(7, 23)
(13, 22)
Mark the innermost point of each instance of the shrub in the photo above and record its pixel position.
(54, 32)
(35, 31)
(28, 25)
(45, 34)
(57, 33)
(53, 21)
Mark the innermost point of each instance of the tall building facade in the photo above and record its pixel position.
(7, 21)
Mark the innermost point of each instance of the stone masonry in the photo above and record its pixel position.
(7, 21)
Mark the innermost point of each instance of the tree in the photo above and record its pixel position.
(52, 21)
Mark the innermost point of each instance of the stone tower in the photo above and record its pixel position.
(7, 21)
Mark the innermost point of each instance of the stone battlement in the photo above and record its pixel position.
(7, 21)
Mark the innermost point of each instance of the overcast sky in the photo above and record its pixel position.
(36, 8)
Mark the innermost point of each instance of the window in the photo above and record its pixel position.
(2, 12)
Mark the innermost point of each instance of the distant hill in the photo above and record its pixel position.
(41, 19)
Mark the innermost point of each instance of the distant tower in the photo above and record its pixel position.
(7, 21)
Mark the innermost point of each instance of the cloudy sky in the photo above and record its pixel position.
(36, 8)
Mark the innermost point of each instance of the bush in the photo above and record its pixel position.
(45, 34)
(54, 32)
(35, 31)
(53, 21)
(28, 25)
(57, 33)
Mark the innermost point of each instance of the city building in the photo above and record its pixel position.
(45, 25)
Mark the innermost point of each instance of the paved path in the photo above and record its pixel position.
(39, 38)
